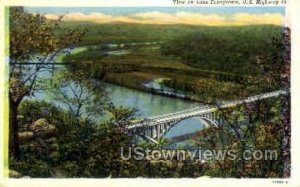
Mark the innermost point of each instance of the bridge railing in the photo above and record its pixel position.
(203, 110)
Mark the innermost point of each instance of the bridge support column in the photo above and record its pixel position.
(148, 131)
(158, 132)
(163, 129)
(166, 127)
(213, 116)
(220, 121)
(145, 131)
(154, 133)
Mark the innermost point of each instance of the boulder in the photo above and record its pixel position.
(38, 124)
(20, 117)
(14, 174)
(25, 136)
(49, 130)
(42, 128)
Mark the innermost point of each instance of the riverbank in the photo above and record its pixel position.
(141, 87)
(212, 91)
(139, 67)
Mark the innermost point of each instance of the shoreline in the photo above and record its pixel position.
(159, 92)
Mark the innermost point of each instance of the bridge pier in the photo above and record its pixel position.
(158, 131)
(153, 134)
(148, 131)
(213, 116)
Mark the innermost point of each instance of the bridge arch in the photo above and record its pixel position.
(202, 119)
(205, 121)
(210, 121)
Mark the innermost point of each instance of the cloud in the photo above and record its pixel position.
(156, 17)
(267, 18)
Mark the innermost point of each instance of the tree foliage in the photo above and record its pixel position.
(267, 124)
(83, 96)
(32, 39)
(234, 50)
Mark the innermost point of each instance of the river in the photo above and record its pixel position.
(147, 104)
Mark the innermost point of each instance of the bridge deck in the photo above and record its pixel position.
(197, 111)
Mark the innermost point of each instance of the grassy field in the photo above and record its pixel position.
(144, 63)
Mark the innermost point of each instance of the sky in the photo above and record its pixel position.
(210, 16)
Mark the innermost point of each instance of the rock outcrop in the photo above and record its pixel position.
(25, 136)
(41, 128)
(14, 174)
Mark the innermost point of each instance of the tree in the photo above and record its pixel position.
(230, 50)
(84, 97)
(248, 127)
(267, 124)
(33, 38)
(276, 70)
(284, 43)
